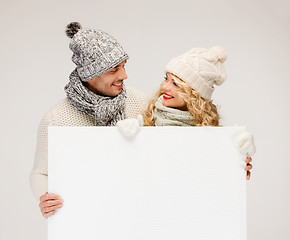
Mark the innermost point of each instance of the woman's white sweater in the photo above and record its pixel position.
(64, 114)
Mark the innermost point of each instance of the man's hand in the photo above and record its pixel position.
(248, 167)
(49, 203)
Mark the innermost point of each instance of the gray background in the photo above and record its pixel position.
(35, 64)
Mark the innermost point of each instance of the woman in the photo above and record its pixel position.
(177, 104)
(185, 94)
(184, 97)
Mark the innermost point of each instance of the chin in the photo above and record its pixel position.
(115, 93)
(165, 103)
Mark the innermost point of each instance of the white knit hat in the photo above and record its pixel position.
(200, 68)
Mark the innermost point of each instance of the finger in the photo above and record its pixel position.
(248, 160)
(46, 215)
(52, 208)
(42, 196)
(248, 167)
(248, 175)
(50, 203)
(49, 196)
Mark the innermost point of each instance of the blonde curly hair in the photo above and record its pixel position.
(204, 111)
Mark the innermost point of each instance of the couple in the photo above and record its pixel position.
(96, 96)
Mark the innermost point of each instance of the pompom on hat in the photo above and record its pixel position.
(94, 51)
(201, 68)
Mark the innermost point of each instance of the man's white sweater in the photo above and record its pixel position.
(64, 114)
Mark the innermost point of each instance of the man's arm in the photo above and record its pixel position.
(38, 176)
(49, 203)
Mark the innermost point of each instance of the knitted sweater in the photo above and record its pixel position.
(64, 114)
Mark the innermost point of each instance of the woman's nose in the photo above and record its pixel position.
(165, 85)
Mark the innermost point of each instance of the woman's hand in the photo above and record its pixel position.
(245, 143)
(49, 203)
(130, 126)
(248, 167)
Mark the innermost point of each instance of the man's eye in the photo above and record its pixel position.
(165, 78)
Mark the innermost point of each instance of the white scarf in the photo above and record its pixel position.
(166, 116)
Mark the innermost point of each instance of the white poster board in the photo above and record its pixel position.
(166, 183)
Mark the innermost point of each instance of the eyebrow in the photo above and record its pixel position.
(119, 65)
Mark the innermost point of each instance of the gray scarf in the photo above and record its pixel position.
(166, 116)
(107, 111)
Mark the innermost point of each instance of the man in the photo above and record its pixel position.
(96, 96)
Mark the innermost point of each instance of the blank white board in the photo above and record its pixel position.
(166, 183)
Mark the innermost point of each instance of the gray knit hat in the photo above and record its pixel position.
(94, 51)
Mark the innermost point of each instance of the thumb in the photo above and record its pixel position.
(140, 120)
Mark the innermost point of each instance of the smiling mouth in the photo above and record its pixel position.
(118, 85)
(167, 96)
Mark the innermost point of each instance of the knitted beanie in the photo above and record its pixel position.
(200, 68)
(94, 51)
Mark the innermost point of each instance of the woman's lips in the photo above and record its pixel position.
(167, 96)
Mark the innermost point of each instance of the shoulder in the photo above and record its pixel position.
(136, 102)
(134, 93)
(64, 114)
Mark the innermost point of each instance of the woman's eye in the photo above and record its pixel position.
(165, 78)
(175, 84)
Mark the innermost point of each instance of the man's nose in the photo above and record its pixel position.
(123, 74)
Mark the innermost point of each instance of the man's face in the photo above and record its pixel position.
(110, 83)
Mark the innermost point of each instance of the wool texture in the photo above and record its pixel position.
(106, 110)
(201, 68)
(64, 114)
(166, 116)
(94, 51)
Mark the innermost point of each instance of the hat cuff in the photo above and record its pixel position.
(96, 69)
(186, 73)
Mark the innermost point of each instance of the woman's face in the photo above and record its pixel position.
(169, 93)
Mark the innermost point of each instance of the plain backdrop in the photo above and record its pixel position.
(36, 62)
